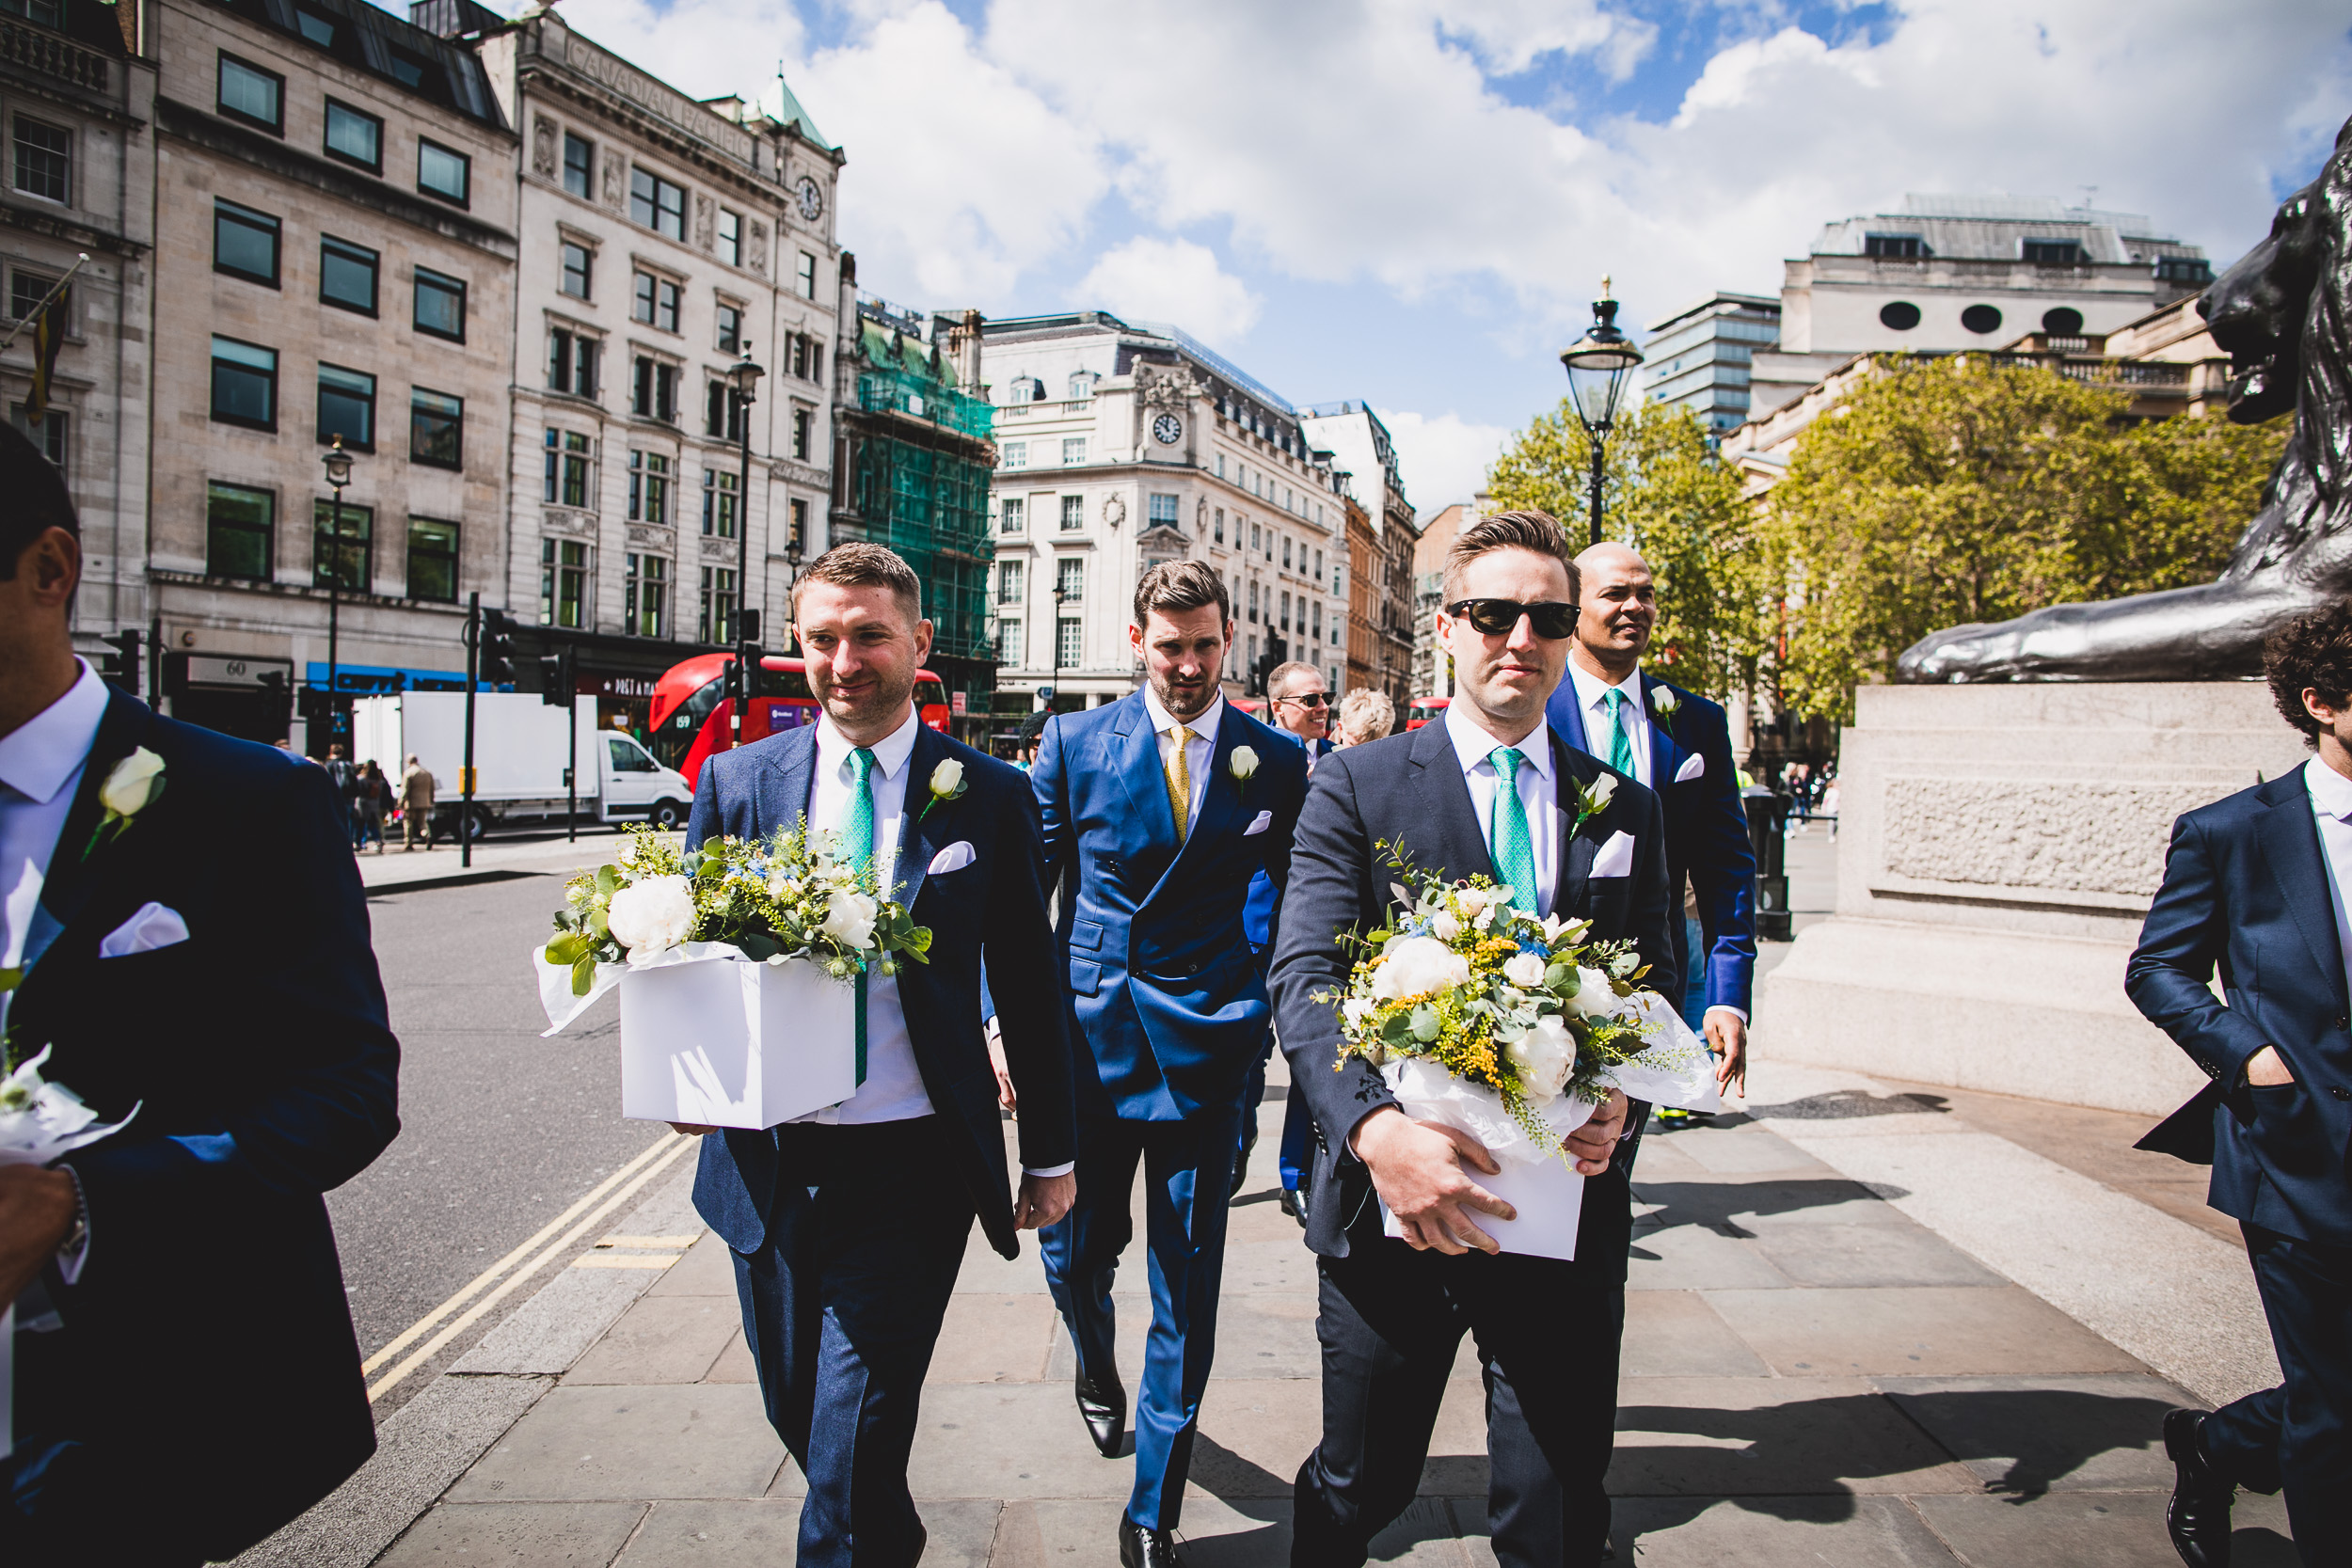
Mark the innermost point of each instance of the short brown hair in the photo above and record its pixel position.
(1281, 675)
(1511, 531)
(2311, 652)
(1173, 587)
(862, 566)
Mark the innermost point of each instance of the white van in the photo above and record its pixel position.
(518, 759)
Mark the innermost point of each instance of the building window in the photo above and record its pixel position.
(47, 13)
(654, 396)
(804, 431)
(657, 302)
(44, 161)
(1013, 454)
(1073, 514)
(437, 429)
(433, 559)
(649, 488)
(572, 362)
(2054, 253)
(354, 136)
(1980, 319)
(721, 498)
(731, 328)
(245, 243)
(2184, 269)
(1012, 588)
(563, 584)
(346, 407)
(49, 434)
(1286, 612)
(343, 559)
(244, 383)
(347, 275)
(253, 95)
(797, 538)
(730, 237)
(578, 261)
(1011, 516)
(443, 171)
(1257, 539)
(1070, 577)
(1253, 610)
(1162, 509)
(570, 481)
(1073, 450)
(809, 276)
(1220, 524)
(718, 603)
(238, 528)
(1286, 552)
(440, 305)
(1008, 641)
(1906, 247)
(722, 411)
(1318, 565)
(1317, 618)
(645, 597)
(1069, 643)
(27, 289)
(657, 204)
(580, 166)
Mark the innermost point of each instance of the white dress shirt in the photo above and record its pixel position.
(1592, 701)
(2331, 808)
(40, 772)
(1539, 792)
(1197, 751)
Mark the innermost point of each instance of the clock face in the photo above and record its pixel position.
(812, 199)
(1167, 430)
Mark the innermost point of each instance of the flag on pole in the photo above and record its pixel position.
(48, 334)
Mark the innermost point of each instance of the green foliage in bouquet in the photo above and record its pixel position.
(1523, 1005)
(785, 896)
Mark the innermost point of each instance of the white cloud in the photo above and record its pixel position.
(1442, 458)
(1171, 280)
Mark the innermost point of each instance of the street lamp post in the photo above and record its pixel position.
(1062, 596)
(1596, 365)
(743, 377)
(338, 463)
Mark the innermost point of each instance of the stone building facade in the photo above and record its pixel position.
(80, 100)
(334, 255)
(1381, 554)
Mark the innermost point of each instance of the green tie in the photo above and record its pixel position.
(857, 848)
(1620, 743)
(1507, 836)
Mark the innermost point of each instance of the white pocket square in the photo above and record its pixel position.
(1694, 766)
(1259, 823)
(1615, 857)
(155, 926)
(954, 858)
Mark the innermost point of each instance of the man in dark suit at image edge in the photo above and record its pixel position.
(2259, 885)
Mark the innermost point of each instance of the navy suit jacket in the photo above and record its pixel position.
(1707, 832)
(207, 1348)
(2245, 890)
(761, 789)
(1409, 789)
(1163, 983)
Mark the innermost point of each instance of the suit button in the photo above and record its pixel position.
(2343, 1023)
(2340, 1091)
(1192, 969)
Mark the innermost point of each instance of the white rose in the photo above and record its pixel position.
(850, 919)
(947, 777)
(1417, 966)
(1664, 699)
(1357, 1009)
(1524, 970)
(1604, 787)
(652, 916)
(1243, 762)
(1445, 926)
(1545, 1055)
(1472, 902)
(1595, 998)
(134, 783)
(781, 887)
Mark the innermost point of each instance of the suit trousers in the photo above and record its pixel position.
(2297, 1435)
(1391, 1322)
(842, 1306)
(1187, 1169)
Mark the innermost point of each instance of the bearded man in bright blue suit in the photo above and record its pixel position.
(1158, 809)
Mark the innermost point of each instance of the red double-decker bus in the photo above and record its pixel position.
(691, 715)
(1422, 709)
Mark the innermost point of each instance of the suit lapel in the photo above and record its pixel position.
(1566, 713)
(921, 824)
(789, 785)
(1666, 754)
(1446, 835)
(72, 875)
(1571, 767)
(1135, 758)
(2289, 840)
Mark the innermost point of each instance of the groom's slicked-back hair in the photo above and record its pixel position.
(36, 499)
(1529, 530)
(858, 564)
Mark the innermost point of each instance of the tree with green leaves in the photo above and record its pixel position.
(1954, 490)
(1665, 493)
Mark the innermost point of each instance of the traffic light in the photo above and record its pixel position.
(314, 702)
(498, 648)
(555, 679)
(120, 668)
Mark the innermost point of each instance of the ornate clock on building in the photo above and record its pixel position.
(1167, 430)
(812, 198)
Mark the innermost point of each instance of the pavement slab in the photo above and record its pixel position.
(1731, 1437)
(583, 1442)
(1777, 1532)
(545, 1535)
(1914, 1331)
(2091, 1529)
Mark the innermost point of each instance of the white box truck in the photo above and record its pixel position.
(518, 758)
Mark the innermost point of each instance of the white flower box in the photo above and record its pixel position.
(727, 1042)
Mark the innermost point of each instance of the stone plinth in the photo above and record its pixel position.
(1997, 849)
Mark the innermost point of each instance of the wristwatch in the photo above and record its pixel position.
(70, 1250)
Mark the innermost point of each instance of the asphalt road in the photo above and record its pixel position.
(501, 1130)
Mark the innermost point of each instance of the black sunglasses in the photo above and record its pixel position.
(1553, 619)
(1307, 699)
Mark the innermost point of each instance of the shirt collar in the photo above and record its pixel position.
(890, 753)
(1203, 724)
(1472, 743)
(40, 754)
(2330, 791)
(1591, 689)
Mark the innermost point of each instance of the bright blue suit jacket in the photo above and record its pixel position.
(1259, 911)
(758, 790)
(1706, 829)
(1163, 983)
(2245, 891)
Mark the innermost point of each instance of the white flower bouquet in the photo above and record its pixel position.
(736, 964)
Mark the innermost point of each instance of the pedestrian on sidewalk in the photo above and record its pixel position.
(2258, 884)
(848, 1225)
(345, 775)
(415, 804)
(186, 1379)
(372, 798)
(1366, 715)
(1299, 704)
(1479, 791)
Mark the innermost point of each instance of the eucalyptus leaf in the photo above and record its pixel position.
(583, 975)
(1426, 1023)
(568, 950)
(1563, 978)
(608, 879)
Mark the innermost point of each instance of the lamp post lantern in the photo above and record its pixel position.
(743, 379)
(337, 465)
(1596, 365)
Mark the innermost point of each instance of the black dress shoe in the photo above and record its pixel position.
(1241, 1162)
(1144, 1549)
(1104, 1407)
(1294, 1203)
(2197, 1518)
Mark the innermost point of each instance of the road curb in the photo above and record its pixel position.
(455, 879)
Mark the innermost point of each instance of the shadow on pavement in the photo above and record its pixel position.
(1712, 1203)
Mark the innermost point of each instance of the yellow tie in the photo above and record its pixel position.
(1179, 780)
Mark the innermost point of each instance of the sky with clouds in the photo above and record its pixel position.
(1412, 201)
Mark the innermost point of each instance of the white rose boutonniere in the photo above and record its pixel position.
(948, 784)
(1664, 703)
(130, 787)
(1241, 764)
(1591, 800)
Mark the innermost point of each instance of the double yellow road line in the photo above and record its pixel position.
(558, 1236)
